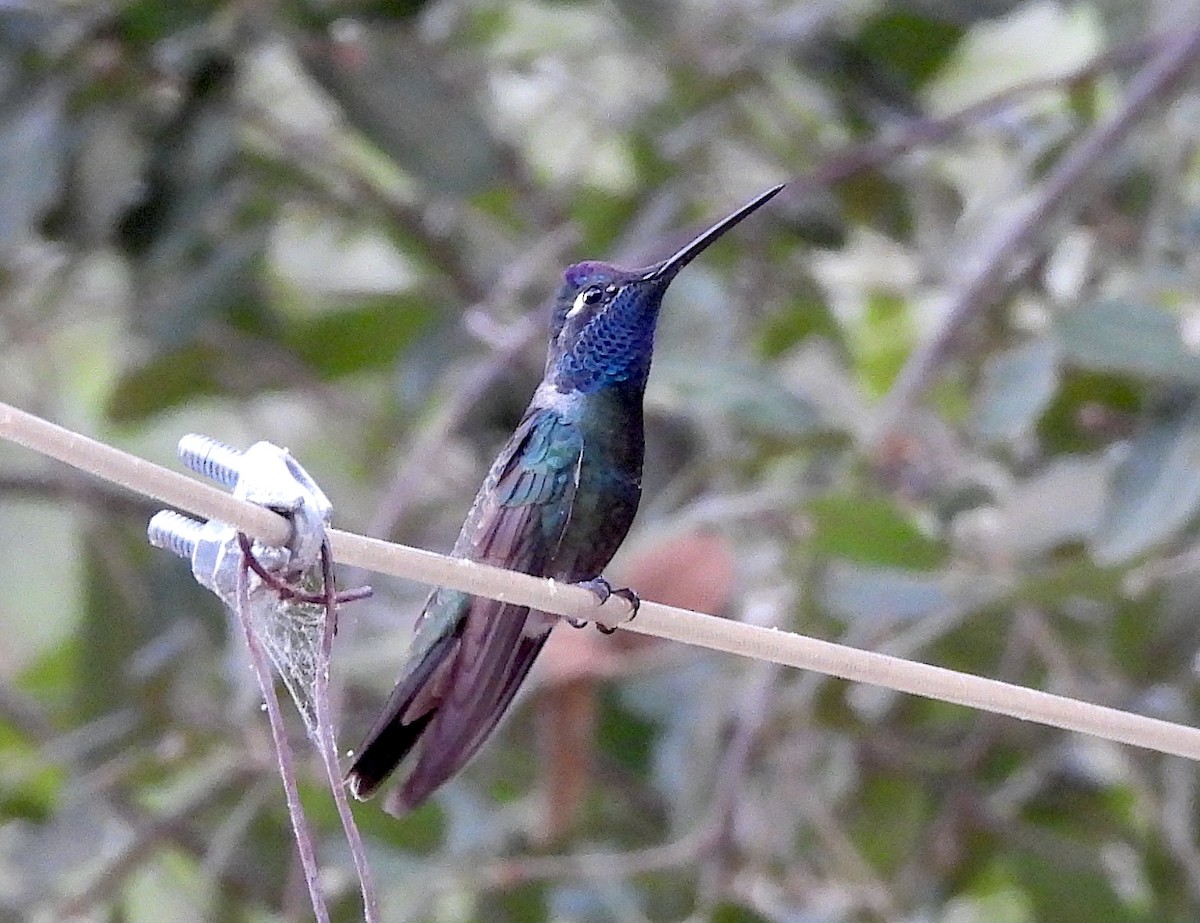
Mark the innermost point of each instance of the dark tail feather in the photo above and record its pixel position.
(391, 738)
(383, 754)
(450, 702)
(457, 734)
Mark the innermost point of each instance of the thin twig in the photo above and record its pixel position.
(999, 250)
(283, 750)
(668, 622)
(327, 744)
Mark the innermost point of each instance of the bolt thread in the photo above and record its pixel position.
(173, 531)
(211, 458)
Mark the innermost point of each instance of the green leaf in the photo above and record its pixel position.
(420, 831)
(625, 736)
(29, 783)
(114, 548)
(1130, 337)
(913, 46)
(728, 912)
(1056, 505)
(366, 337)
(871, 530)
(1155, 490)
(881, 341)
(148, 21)
(804, 315)
(1064, 889)
(1083, 395)
(889, 820)
(167, 380)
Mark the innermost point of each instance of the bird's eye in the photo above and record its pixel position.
(592, 295)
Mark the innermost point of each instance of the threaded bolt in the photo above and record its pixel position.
(211, 458)
(175, 532)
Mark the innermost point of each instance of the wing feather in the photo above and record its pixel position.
(517, 521)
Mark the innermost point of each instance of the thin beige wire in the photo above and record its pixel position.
(767, 644)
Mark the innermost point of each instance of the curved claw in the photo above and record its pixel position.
(630, 597)
(602, 589)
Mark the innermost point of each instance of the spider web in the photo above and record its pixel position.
(292, 633)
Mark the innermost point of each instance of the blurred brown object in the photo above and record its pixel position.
(692, 570)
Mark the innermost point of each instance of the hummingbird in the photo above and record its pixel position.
(557, 502)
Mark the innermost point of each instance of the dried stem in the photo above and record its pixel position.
(327, 744)
(283, 750)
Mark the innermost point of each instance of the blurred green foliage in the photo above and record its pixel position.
(334, 224)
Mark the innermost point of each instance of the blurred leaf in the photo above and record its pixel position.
(804, 316)
(1017, 386)
(888, 816)
(115, 548)
(732, 391)
(872, 199)
(1033, 41)
(871, 530)
(420, 832)
(367, 337)
(1055, 506)
(388, 85)
(1130, 337)
(377, 9)
(1155, 489)
(524, 902)
(650, 16)
(1064, 889)
(1087, 410)
(853, 593)
(205, 285)
(29, 783)
(727, 912)
(166, 380)
(881, 340)
(912, 45)
(145, 22)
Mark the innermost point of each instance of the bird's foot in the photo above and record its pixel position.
(602, 589)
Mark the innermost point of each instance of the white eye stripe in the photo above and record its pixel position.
(578, 306)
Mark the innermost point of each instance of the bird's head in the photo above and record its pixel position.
(602, 328)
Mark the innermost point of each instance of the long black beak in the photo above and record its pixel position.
(666, 270)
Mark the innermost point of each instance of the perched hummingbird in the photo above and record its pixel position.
(557, 502)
